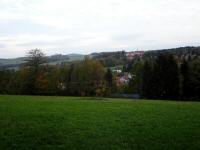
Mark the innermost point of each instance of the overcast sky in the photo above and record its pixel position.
(85, 26)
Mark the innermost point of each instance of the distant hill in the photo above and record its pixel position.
(109, 59)
(60, 59)
(180, 53)
(12, 61)
(51, 60)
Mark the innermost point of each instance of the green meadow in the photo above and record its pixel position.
(69, 123)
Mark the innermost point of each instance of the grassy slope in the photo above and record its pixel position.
(12, 61)
(72, 57)
(84, 123)
(20, 60)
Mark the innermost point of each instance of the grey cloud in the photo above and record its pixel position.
(61, 42)
(36, 43)
(127, 37)
(15, 27)
(2, 45)
(98, 25)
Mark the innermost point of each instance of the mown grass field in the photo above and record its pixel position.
(39, 123)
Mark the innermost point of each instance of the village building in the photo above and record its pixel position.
(132, 55)
(123, 79)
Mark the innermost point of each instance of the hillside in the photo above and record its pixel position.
(51, 60)
(180, 53)
(109, 59)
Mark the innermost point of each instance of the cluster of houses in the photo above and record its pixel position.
(123, 78)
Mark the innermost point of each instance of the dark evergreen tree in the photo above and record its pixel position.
(185, 85)
(147, 80)
(194, 80)
(109, 77)
(166, 77)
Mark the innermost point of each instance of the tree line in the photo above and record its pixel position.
(159, 77)
(166, 77)
(84, 78)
